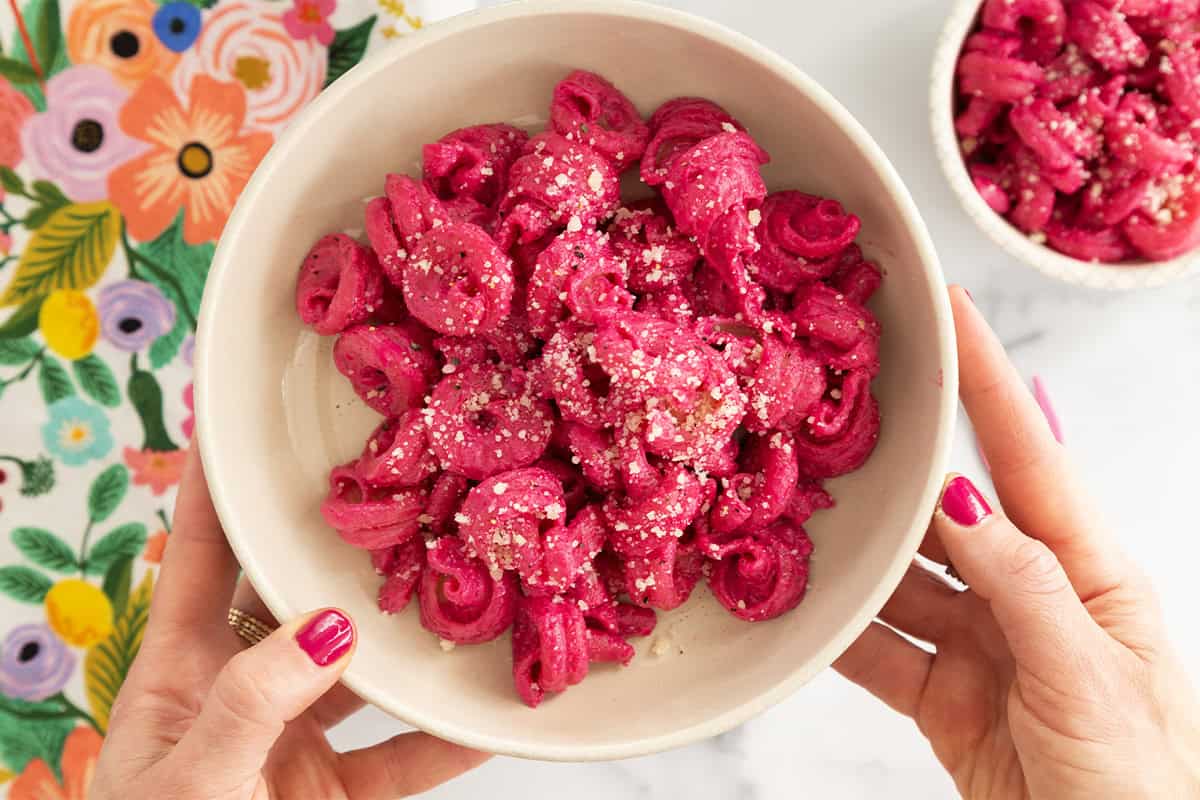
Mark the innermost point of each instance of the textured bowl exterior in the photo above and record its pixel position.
(273, 415)
(1113, 277)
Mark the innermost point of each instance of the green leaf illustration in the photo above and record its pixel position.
(146, 396)
(166, 347)
(24, 584)
(23, 321)
(107, 492)
(16, 72)
(10, 180)
(97, 381)
(22, 740)
(70, 251)
(49, 194)
(187, 268)
(45, 549)
(52, 706)
(347, 48)
(123, 542)
(54, 381)
(107, 662)
(116, 584)
(47, 33)
(17, 351)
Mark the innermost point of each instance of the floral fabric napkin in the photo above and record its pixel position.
(127, 130)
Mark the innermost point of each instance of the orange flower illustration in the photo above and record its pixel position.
(155, 546)
(158, 470)
(37, 782)
(117, 35)
(199, 160)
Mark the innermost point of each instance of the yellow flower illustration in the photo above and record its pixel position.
(69, 323)
(79, 612)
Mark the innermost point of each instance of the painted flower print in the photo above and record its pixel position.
(15, 108)
(128, 128)
(69, 324)
(248, 42)
(79, 612)
(80, 753)
(189, 424)
(159, 470)
(310, 18)
(156, 545)
(77, 432)
(198, 162)
(133, 314)
(76, 141)
(177, 25)
(34, 663)
(119, 36)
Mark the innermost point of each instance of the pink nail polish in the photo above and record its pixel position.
(963, 503)
(327, 637)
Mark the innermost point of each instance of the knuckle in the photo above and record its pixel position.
(1035, 568)
(240, 692)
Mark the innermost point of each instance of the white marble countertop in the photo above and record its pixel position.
(1121, 369)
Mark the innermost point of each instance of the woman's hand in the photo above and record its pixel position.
(204, 717)
(1053, 677)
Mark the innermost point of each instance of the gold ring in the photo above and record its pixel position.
(252, 629)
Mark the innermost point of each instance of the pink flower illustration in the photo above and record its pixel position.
(15, 108)
(310, 18)
(76, 142)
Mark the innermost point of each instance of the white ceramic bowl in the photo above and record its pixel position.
(1133, 275)
(274, 415)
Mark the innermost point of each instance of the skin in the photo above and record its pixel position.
(1052, 676)
(202, 716)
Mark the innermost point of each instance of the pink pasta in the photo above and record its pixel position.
(557, 184)
(397, 454)
(485, 419)
(591, 403)
(458, 281)
(719, 174)
(401, 572)
(395, 221)
(1076, 121)
(800, 234)
(676, 127)
(468, 170)
(461, 601)
(391, 367)
(371, 518)
(764, 574)
(340, 285)
(550, 648)
(658, 255)
(589, 109)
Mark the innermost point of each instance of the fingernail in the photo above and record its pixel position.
(963, 503)
(327, 637)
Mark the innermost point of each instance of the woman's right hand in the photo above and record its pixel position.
(1052, 676)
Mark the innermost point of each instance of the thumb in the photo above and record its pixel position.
(1043, 620)
(256, 693)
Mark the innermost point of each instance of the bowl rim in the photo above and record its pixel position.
(240, 221)
(1090, 274)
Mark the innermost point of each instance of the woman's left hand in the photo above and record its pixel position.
(204, 717)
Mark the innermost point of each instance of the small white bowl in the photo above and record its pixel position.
(1132, 275)
(274, 415)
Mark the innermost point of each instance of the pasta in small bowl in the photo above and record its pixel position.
(573, 375)
(1067, 130)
